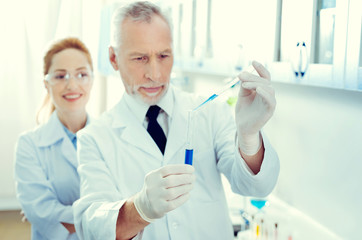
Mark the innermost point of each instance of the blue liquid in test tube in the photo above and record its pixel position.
(189, 148)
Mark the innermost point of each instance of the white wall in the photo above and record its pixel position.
(318, 135)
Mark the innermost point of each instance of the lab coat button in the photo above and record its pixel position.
(175, 225)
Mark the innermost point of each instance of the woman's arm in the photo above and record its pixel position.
(36, 194)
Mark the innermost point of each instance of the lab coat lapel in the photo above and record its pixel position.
(132, 131)
(53, 132)
(178, 131)
(69, 151)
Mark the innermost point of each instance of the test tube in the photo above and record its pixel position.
(189, 146)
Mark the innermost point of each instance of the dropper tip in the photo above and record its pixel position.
(208, 100)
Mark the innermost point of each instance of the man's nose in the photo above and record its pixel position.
(153, 71)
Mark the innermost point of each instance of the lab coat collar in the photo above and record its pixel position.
(167, 102)
(139, 109)
(132, 130)
(51, 132)
(178, 130)
(68, 150)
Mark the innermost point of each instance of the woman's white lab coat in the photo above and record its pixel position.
(47, 181)
(116, 152)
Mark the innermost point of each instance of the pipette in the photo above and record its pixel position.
(228, 85)
(190, 126)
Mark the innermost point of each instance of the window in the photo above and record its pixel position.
(313, 42)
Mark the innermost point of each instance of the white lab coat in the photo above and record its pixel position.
(47, 181)
(116, 152)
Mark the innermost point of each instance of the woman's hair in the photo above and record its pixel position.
(47, 106)
(137, 12)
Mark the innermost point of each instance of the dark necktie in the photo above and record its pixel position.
(154, 129)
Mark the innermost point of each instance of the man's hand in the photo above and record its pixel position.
(164, 190)
(70, 227)
(255, 106)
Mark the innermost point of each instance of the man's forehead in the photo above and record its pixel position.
(146, 37)
(130, 26)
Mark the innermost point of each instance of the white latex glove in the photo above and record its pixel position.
(164, 190)
(255, 106)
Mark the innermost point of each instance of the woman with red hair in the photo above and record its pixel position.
(47, 181)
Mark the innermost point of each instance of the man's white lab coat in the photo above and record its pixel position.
(116, 152)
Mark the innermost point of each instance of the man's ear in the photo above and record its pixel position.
(113, 58)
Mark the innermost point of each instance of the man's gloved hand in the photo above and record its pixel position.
(255, 106)
(164, 190)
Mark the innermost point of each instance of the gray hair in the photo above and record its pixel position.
(142, 11)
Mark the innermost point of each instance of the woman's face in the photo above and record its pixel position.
(69, 81)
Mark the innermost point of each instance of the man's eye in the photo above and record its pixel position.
(164, 56)
(141, 58)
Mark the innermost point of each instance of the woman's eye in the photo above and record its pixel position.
(83, 75)
(60, 76)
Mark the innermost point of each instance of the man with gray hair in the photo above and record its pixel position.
(133, 181)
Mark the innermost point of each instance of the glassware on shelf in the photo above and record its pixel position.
(258, 203)
(258, 219)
